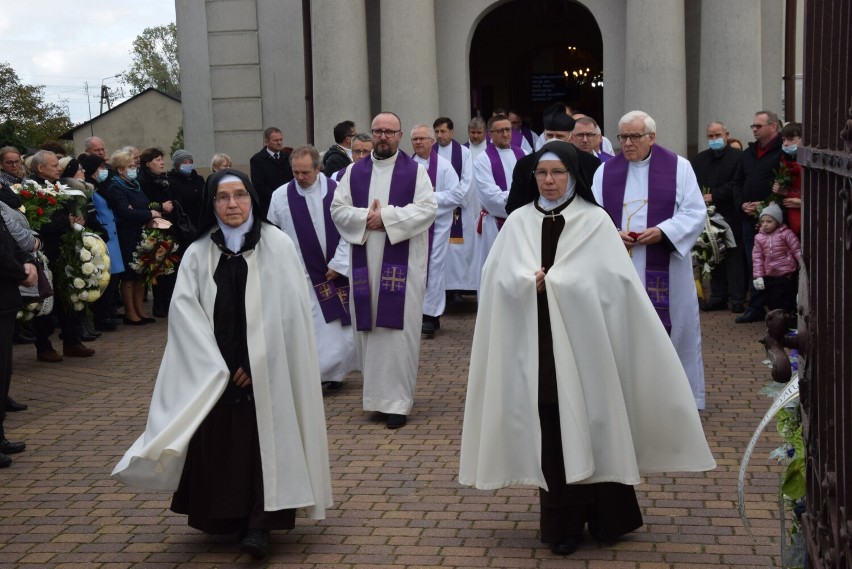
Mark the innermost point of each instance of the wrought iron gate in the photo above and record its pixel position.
(825, 324)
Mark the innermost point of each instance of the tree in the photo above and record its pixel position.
(26, 119)
(155, 62)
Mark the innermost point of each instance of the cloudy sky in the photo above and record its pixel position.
(63, 45)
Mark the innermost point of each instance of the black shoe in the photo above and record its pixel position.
(8, 447)
(149, 320)
(83, 334)
(395, 421)
(159, 313)
(737, 308)
(429, 329)
(255, 543)
(5, 461)
(89, 327)
(714, 305)
(106, 326)
(23, 338)
(565, 546)
(332, 385)
(750, 316)
(130, 322)
(12, 405)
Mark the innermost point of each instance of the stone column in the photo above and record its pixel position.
(730, 88)
(655, 70)
(340, 68)
(409, 67)
(194, 59)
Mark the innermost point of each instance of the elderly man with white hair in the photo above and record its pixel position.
(654, 199)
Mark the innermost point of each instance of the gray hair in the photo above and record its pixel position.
(39, 159)
(650, 124)
(720, 123)
(771, 117)
(427, 127)
(476, 122)
(306, 150)
(87, 144)
(121, 159)
(588, 121)
(219, 159)
(363, 137)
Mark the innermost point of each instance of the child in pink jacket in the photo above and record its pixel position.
(776, 256)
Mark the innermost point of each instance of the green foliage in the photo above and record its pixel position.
(26, 119)
(177, 144)
(790, 428)
(155, 61)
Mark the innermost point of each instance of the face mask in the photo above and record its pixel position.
(131, 173)
(716, 144)
(185, 169)
(101, 175)
(790, 150)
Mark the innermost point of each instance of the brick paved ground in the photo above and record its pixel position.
(397, 503)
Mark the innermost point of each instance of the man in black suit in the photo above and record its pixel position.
(270, 168)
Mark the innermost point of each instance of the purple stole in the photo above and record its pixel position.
(499, 179)
(519, 135)
(662, 191)
(432, 170)
(336, 176)
(457, 227)
(604, 156)
(333, 296)
(390, 310)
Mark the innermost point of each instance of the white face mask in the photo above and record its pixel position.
(131, 173)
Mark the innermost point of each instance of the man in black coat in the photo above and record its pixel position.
(16, 268)
(753, 184)
(524, 190)
(715, 169)
(339, 154)
(270, 168)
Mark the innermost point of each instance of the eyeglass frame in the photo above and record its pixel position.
(225, 199)
(384, 132)
(633, 137)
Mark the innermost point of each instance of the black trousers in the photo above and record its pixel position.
(7, 330)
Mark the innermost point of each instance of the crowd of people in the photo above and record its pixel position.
(347, 259)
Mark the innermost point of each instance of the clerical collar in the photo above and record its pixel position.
(381, 158)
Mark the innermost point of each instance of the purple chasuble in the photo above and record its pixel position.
(662, 191)
(432, 170)
(457, 227)
(499, 179)
(604, 156)
(390, 310)
(333, 296)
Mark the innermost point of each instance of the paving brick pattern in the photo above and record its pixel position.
(397, 501)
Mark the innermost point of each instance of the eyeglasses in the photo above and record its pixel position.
(12, 162)
(556, 173)
(361, 152)
(584, 135)
(420, 139)
(634, 137)
(225, 199)
(758, 126)
(383, 132)
(500, 130)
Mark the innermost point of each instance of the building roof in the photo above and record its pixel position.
(70, 134)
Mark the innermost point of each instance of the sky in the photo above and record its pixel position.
(62, 45)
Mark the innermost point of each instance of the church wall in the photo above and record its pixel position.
(196, 93)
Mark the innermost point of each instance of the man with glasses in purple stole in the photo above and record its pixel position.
(384, 206)
(492, 174)
(301, 208)
(653, 198)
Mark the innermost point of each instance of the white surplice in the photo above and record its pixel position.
(389, 357)
(285, 378)
(492, 199)
(335, 342)
(459, 271)
(682, 229)
(625, 405)
(448, 195)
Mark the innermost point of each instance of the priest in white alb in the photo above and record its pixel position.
(574, 385)
(448, 195)
(492, 174)
(302, 209)
(383, 206)
(659, 227)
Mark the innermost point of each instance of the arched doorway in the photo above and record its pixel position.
(526, 54)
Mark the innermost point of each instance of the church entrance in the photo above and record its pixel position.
(527, 54)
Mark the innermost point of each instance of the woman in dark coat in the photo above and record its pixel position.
(130, 206)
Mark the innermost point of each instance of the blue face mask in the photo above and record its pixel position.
(185, 169)
(716, 144)
(790, 150)
(131, 173)
(101, 175)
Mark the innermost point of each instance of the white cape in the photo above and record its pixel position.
(626, 408)
(285, 378)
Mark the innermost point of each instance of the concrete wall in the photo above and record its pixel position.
(150, 119)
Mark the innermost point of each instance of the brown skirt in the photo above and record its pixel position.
(221, 487)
